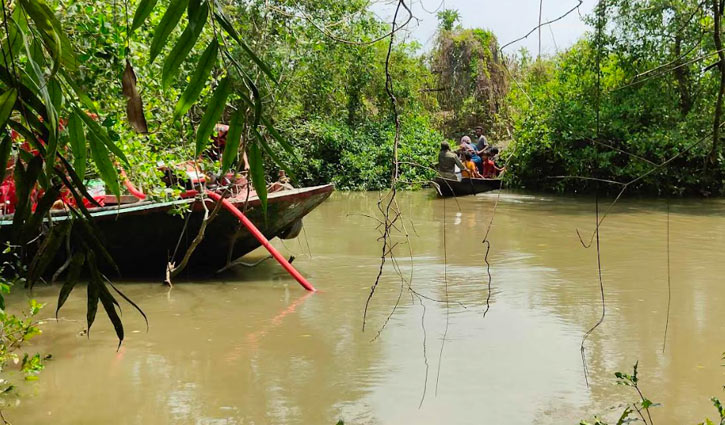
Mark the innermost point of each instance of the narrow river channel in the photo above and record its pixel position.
(253, 348)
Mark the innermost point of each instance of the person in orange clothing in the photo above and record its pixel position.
(470, 171)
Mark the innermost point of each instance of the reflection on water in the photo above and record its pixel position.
(254, 348)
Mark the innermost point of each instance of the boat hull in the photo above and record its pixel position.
(142, 238)
(447, 187)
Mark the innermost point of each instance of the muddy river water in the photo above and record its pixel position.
(251, 347)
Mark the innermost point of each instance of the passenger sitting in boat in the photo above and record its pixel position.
(490, 169)
(467, 146)
(447, 162)
(469, 171)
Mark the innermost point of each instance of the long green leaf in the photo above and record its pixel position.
(56, 98)
(44, 205)
(144, 9)
(46, 253)
(27, 96)
(224, 22)
(14, 41)
(184, 44)
(198, 79)
(7, 102)
(256, 172)
(89, 232)
(77, 143)
(74, 272)
(37, 77)
(101, 157)
(93, 292)
(168, 23)
(212, 114)
(52, 34)
(42, 17)
(270, 128)
(130, 301)
(82, 95)
(234, 138)
(109, 304)
(101, 135)
(5, 149)
(271, 153)
(278, 137)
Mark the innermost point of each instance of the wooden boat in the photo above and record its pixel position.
(449, 187)
(142, 236)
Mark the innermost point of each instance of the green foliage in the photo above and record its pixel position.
(639, 410)
(16, 330)
(471, 82)
(447, 18)
(645, 117)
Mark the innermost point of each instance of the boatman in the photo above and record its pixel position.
(447, 161)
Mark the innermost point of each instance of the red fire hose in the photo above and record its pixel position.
(263, 240)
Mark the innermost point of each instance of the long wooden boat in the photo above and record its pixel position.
(449, 187)
(142, 237)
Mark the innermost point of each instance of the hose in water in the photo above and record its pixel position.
(262, 239)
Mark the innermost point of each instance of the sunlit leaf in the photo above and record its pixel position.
(168, 23)
(42, 17)
(212, 114)
(184, 44)
(198, 79)
(14, 41)
(52, 34)
(144, 9)
(77, 138)
(234, 138)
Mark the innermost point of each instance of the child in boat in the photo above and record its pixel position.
(470, 170)
(490, 169)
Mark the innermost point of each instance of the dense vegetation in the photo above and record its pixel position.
(641, 92)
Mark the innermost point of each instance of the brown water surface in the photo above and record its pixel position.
(253, 348)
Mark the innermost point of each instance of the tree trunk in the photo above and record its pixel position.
(682, 76)
(717, 11)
